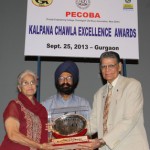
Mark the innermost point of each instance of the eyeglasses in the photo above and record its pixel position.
(25, 83)
(62, 79)
(111, 66)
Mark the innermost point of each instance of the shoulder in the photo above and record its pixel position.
(49, 99)
(48, 102)
(12, 103)
(129, 81)
(101, 90)
(12, 109)
(81, 99)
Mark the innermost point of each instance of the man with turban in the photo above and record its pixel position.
(65, 101)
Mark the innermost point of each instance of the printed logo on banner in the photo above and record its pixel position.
(83, 4)
(42, 3)
(128, 1)
(128, 5)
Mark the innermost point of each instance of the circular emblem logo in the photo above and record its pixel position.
(42, 3)
(128, 1)
(83, 4)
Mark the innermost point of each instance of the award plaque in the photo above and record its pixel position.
(68, 130)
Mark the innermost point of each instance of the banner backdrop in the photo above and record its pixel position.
(82, 28)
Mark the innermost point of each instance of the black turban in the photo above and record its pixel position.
(70, 67)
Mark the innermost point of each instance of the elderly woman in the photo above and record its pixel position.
(25, 118)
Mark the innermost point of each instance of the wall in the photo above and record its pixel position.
(12, 60)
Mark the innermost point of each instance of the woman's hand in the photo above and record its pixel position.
(49, 127)
(47, 146)
(12, 128)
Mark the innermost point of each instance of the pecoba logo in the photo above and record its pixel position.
(42, 3)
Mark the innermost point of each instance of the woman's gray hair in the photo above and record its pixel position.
(24, 73)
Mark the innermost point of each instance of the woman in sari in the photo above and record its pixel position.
(25, 118)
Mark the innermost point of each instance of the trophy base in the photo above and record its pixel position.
(69, 143)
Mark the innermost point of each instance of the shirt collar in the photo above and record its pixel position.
(114, 82)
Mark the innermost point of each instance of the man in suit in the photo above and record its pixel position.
(123, 126)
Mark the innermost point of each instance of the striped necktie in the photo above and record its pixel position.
(106, 108)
